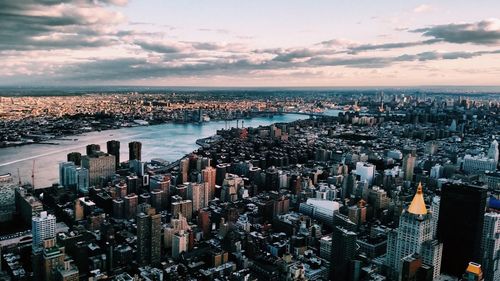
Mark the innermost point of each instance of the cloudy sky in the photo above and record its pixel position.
(249, 43)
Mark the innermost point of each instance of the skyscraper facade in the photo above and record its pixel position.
(491, 247)
(43, 227)
(134, 150)
(460, 225)
(414, 231)
(113, 148)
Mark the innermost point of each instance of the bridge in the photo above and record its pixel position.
(310, 114)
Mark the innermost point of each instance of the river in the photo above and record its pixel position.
(168, 141)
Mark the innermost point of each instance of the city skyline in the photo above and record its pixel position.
(255, 44)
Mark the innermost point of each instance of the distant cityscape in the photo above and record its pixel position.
(394, 186)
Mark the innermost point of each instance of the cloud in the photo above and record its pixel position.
(37, 24)
(422, 8)
(485, 32)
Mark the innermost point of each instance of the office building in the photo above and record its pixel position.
(92, 148)
(43, 227)
(134, 150)
(409, 166)
(148, 237)
(491, 247)
(478, 164)
(366, 172)
(75, 157)
(208, 176)
(113, 148)
(179, 243)
(460, 225)
(413, 237)
(101, 167)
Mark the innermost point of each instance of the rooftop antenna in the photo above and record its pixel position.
(33, 175)
(19, 176)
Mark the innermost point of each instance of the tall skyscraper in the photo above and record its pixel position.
(75, 157)
(184, 169)
(101, 166)
(343, 252)
(460, 225)
(408, 166)
(43, 227)
(198, 193)
(414, 235)
(148, 237)
(113, 148)
(493, 152)
(134, 150)
(491, 247)
(179, 243)
(92, 148)
(208, 176)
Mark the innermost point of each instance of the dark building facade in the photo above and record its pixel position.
(134, 150)
(113, 147)
(460, 225)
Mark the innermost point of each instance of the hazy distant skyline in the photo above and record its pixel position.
(249, 43)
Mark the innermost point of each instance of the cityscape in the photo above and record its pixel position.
(223, 141)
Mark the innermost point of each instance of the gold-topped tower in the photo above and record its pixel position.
(417, 205)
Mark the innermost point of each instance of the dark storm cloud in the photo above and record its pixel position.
(388, 46)
(482, 32)
(158, 47)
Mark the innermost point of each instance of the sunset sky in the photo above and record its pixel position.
(249, 43)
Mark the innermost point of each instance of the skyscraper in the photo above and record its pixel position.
(92, 148)
(343, 251)
(493, 152)
(491, 247)
(43, 227)
(134, 150)
(179, 243)
(101, 166)
(208, 176)
(460, 225)
(412, 236)
(409, 166)
(113, 148)
(75, 157)
(148, 237)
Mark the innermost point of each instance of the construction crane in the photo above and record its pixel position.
(19, 177)
(33, 175)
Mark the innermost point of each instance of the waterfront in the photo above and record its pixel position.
(167, 141)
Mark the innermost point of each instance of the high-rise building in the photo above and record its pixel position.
(130, 206)
(92, 148)
(101, 167)
(113, 148)
(7, 197)
(460, 225)
(199, 194)
(408, 166)
(179, 243)
(343, 252)
(134, 150)
(43, 227)
(208, 176)
(365, 171)
(493, 152)
(184, 169)
(74, 177)
(148, 237)
(75, 157)
(491, 247)
(180, 206)
(413, 236)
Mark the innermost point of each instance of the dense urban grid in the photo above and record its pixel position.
(398, 186)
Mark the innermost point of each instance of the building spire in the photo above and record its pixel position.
(417, 205)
